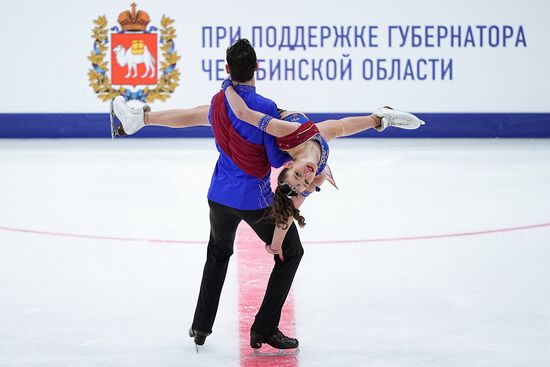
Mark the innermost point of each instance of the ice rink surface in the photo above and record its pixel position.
(431, 253)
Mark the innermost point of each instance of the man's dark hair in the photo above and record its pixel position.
(241, 59)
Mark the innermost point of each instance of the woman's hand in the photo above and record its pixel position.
(226, 84)
(275, 250)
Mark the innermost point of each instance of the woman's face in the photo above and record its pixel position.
(300, 174)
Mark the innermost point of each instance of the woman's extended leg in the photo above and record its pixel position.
(133, 119)
(380, 119)
(179, 118)
(332, 129)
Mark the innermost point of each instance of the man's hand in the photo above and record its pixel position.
(275, 251)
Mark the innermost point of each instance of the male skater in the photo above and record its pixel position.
(239, 190)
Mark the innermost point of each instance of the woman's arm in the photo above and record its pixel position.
(279, 233)
(180, 118)
(276, 246)
(276, 127)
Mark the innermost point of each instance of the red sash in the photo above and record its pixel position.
(298, 136)
(249, 157)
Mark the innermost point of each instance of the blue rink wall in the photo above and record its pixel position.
(438, 125)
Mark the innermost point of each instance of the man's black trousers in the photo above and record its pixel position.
(223, 227)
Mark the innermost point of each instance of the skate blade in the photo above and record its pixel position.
(116, 129)
(275, 352)
(112, 119)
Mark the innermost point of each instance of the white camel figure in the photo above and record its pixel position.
(125, 57)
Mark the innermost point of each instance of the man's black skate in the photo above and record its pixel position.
(199, 337)
(277, 340)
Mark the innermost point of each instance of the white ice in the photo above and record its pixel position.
(480, 300)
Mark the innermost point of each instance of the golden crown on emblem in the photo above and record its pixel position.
(133, 21)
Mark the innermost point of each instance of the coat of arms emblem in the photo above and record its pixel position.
(126, 61)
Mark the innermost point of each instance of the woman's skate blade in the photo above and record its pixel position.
(112, 119)
(116, 129)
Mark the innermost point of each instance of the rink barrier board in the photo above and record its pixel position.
(438, 125)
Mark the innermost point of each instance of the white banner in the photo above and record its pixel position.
(344, 56)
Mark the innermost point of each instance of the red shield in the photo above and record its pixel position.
(134, 58)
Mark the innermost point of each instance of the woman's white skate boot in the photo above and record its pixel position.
(396, 118)
(131, 119)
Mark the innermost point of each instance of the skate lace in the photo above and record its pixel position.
(134, 111)
(400, 119)
(279, 334)
(131, 110)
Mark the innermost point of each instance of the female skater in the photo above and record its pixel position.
(306, 143)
